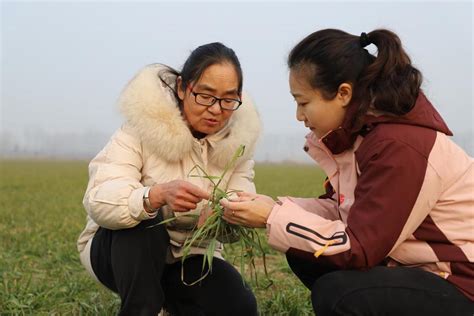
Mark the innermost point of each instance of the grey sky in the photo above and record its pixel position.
(64, 64)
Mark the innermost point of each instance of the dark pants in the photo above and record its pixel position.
(131, 262)
(379, 291)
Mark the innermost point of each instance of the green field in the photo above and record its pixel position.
(41, 216)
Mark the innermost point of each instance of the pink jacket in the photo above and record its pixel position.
(400, 192)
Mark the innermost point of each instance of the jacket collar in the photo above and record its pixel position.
(422, 114)
(150, 108)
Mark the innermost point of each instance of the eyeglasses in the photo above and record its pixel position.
(209, 100)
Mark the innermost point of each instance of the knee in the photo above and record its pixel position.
(295, 263)
(326, 292)
(248, 306)
(244, 304)
(292, 260)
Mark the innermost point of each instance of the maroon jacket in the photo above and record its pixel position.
(399, 192)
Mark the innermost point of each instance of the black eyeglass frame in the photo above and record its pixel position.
(216, 99)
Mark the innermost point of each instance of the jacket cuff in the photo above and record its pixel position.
(273, 221)
(290, 226)
(135, 205)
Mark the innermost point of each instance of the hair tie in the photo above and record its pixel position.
(364, 40)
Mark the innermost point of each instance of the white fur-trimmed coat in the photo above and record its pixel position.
(155, 145)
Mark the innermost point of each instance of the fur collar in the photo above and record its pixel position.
(151, 110)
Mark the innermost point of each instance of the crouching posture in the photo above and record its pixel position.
(393, 234)
(174, 121)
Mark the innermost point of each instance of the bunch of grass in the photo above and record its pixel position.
(215, 229)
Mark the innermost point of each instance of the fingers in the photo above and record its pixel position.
(234, 198)
(196, 191)
(235, 212)
(228, 204)
(205, 213)
(183, 206)
(188, 197)
(238, 217)
(231, 219)
(183, 201)
(232, 216)
(247, 196)
(243, 205)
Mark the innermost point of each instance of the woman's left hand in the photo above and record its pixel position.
(249, 209)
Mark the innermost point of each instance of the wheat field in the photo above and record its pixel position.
(41, 216)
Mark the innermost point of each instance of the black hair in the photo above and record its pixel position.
(387, 81)
(199, 60)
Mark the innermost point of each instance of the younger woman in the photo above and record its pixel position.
(394, 233)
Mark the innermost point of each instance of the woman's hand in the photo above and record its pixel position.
(179, 195)
(206, 211)
(250, 210)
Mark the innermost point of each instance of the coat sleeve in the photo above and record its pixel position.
(392, 176)
(324, 207)
(114, 196)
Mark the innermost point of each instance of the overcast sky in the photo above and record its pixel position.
(63, 64)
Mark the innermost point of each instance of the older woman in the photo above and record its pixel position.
(174, 121)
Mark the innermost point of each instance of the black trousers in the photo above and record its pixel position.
(379, 291)
(131, 262)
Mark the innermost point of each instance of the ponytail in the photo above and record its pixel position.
(391, 80)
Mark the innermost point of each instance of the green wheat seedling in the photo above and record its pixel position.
(215, 229)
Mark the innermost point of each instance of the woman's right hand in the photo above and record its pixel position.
(179, 195)
(249, 209)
